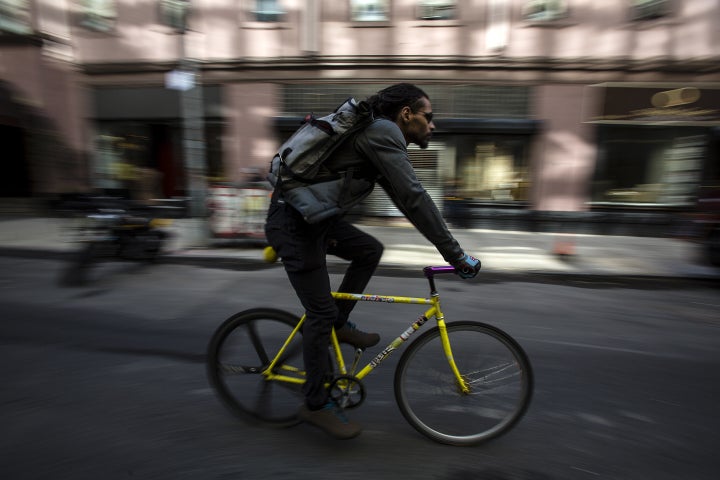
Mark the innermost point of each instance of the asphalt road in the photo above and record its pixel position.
(108, 380)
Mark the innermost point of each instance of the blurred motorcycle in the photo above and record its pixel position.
(115, 234)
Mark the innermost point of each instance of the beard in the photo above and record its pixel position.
(423, 143)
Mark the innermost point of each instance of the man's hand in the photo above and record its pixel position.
(466, 266)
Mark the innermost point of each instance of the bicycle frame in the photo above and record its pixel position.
(433, 312)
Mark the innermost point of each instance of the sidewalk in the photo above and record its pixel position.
(500, 251)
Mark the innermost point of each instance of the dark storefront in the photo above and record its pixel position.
(138, 146)
(654, 144)
(657, 149)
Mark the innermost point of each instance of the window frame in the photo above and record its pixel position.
(167, 12)
(354, 10)
(421, 4)
(258, 11)
(18, 19)
(664, 10)
(556, 17)
(97, 18)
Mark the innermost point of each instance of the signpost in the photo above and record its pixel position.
(186, 80)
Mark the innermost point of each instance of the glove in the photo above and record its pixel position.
(466, 266)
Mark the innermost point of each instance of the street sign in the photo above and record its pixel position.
(182, 80)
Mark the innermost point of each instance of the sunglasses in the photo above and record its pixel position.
(428, 116)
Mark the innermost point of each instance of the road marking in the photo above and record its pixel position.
(603, 347)
(586, 471)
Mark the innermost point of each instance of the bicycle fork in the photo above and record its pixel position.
(461, 383)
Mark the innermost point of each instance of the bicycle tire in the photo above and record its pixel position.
(493, 363)
(240, 350)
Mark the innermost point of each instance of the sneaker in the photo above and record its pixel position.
(349, 333)
(332, 420)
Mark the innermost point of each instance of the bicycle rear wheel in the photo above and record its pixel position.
(496, 369)
(240, 350)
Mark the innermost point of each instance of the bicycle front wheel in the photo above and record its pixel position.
(493, 365)
(242, 349)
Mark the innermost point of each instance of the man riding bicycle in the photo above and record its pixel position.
(377, 154)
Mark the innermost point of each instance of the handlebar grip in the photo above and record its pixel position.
(468, 270)
(431, 271)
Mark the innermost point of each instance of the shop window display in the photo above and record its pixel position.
(648, 165)
(492, 169)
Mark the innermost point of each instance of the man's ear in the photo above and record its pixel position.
(405, 114)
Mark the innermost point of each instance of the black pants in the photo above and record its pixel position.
(303, 248)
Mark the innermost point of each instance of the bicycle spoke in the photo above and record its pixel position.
(261, 403)
(257, 343)
(492, 376)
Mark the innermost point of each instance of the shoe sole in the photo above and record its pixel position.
(305, 417)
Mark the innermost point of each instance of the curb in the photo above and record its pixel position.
(210, 258)
(583, 280)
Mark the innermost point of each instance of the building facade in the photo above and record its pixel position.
(599, 108)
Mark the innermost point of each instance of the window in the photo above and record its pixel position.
(436, 9)
(545, 10)
(174, 13)
(268, 11)
(648, 165)
(649, 9)
(492, 169)
(369, 10)
(449, 101)
(98, 15)
(427, 165)
(152, 154)
(15, 17)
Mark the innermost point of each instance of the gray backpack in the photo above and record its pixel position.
(299, 160)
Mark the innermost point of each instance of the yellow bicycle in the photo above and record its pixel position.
(459, 383)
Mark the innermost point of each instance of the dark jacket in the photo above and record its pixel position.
(377, 154)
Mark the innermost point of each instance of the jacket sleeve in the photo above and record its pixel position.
(382, 143)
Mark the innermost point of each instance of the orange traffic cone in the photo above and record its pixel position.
(564, 246)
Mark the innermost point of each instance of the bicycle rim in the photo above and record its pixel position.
(240, 350)
(494, 366)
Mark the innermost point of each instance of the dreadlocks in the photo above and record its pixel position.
(389, 101)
